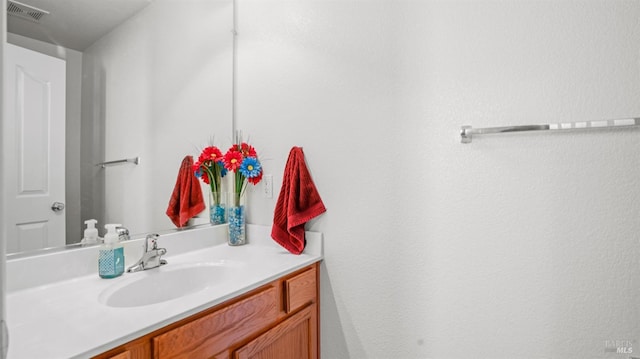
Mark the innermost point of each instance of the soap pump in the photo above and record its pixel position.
(111, 257)
(91, 232)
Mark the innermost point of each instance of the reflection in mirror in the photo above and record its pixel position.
(148, 79)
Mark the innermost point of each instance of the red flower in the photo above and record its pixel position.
(245, 149)
(232, 160)
(205, 177)
(254, 180)
(210, 153)
(197, 169)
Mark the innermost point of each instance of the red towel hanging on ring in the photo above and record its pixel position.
(186, 200)
(298, 203)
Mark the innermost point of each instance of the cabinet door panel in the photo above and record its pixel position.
(295, 338)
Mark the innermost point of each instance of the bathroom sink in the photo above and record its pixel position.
(165, 283)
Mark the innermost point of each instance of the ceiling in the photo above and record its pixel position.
(74, 24)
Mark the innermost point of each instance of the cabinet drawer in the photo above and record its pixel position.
(208, 335)
(300, 290)
(137, 349)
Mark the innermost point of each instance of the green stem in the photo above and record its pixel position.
(238, 188)
(213, 183)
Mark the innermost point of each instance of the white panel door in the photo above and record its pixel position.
(33, 149)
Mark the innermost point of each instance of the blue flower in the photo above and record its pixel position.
(223, 170)
(251, 167)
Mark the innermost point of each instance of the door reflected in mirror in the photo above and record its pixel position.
(148, 79)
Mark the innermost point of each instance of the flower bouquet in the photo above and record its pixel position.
(242, 160)
(210, 169)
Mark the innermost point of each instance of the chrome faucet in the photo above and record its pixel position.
(151, 256)
(123, 234)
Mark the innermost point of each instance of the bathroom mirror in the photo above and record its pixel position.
(154, 81)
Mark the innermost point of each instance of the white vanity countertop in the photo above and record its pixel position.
(66, 319)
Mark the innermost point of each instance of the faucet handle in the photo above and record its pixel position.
(151, 238)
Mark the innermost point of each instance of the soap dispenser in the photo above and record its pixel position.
(111, 257)
(91, 232)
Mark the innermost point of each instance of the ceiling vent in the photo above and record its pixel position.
(25, 11)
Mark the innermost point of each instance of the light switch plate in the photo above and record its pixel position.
(268, 186)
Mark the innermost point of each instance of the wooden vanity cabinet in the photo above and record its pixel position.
(277, 320)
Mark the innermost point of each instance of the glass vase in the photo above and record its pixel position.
(237, 220)
(217, 207)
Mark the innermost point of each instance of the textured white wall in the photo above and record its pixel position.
(163, 82)
(514, 246)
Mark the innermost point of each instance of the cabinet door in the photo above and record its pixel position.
(295, 338)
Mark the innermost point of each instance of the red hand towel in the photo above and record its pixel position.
(298, 203)
(186, 200)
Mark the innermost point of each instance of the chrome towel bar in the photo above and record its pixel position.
(467, 132)
(135, 160)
